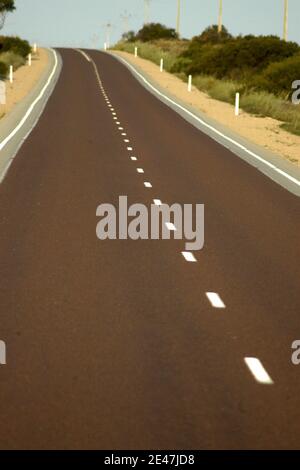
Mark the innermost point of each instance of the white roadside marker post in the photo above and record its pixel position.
(237, 104)
(161, 65)
(105, 46)
(11, 74)
(2, 93)
(34, 48)
(29, 60)
(190, 84)
(135, 52)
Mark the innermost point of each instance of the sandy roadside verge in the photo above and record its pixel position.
(25, 79)
(265, 132)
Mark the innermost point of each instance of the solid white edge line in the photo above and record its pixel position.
(32, 106)
(258, 371)
(215, 300)
(4, 172)
(208, 126)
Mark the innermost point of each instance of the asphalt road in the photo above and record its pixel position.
(114, 344)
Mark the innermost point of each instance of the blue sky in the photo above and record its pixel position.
(81, 22)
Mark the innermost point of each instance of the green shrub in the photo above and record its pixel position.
(10, 58)
(152, 31)
(238, 58)
(129, 36)
(211, 35)
(16, 45)
(278, 77)
(3, 71)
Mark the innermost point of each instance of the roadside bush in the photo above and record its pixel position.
(211, 35)
(240, 58)
(10, 58)
(16, 45)
(278, 77)
(153, 31)
(129, 36)
(3, 71)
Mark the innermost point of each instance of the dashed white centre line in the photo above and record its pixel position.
(140, 170)
(134, 159)
(157, 202)
(118, 123)
(215, 300)
(121, 128)
(258, 371)
(171, 227)
(127, 141)
(188, 256)
(123, 133)
(147, 184)
(129, 149)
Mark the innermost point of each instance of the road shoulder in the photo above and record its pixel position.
(23, 116)
(271, 164)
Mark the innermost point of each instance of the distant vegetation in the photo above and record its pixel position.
(261, 68)
(13, 50)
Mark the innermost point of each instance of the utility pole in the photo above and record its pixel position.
(220, 20)
(286, 19)
(147, 11)
(178, 18)
(125, 19)
(108, 27)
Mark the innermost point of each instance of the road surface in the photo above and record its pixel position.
(115, 344)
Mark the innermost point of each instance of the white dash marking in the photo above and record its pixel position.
(258, 371)
(157, 202)
(140, 170)
(147, 184)
(171, 227)
(188, 256)
(215, 300)
(134, 159)
(129, 149)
